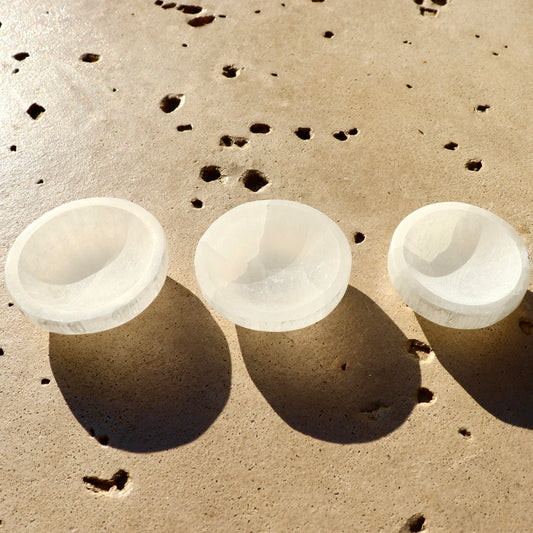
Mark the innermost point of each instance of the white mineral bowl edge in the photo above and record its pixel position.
(273, 265)
(87, 266)
(458, 265)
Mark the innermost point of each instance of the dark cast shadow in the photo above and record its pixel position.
(156, 382)
(346, 379)
(494, 364)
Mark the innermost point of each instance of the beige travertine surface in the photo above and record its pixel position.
(202, 426)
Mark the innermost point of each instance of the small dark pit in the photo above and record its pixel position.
(303, 133)
(424, 395)
(189, 9)
(259, 127)
(474, 165)
(254, 180)
(197, 204)
(359, 237)
(90, 58)
(197, 22)
(35, 111)
(170, 102)
(210, 173)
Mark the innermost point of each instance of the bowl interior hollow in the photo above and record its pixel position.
(269, 262)
(85, 256)
(463, 256)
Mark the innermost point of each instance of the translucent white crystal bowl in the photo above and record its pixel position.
(458, 265)
(273, 265)
(87, 266)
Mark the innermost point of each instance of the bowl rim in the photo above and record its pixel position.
(48, 311)
(398, 267)
(340, 281)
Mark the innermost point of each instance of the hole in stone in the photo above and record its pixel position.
(464, 432)
(482, 108)
(526, 326)
(474, 165)
(197, 204)
(340, 135)
(210, 173)
(328, 34)
(416, 347)
(170, 102)
(35, 111)
(240, 141)
(189, 9)
(418, 2)
(254, 180)
(259, 127)
(184, 127)
(114, 90)
(158, 2)
(1, 351)
(495, 54)
(15, 70)
(230, 71)
(45, 381)
(343, 366)
(39, 182)
(408, 86)
(201, 21)
(303, 133)
(424, 395)
(13, 148)
(440, 2)
(477, 36)
(353, 131)
(90, 58)
(222, 16)
(169, 5)
(416, 523)
(407, 42)
(228, 140)
(451, 146)
(257, 11)
(103, 440)
(359, 237)
(21, 56)
(374, 407)
(428, 12)
(10, 304)
(317, 0)
(97, 484)
(274, 74)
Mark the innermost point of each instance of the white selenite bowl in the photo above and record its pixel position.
(87, 266)
(273, 265)
(458, 265)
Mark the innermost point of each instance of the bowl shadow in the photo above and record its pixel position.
(346, 379)
(493, 364)
(154, 383)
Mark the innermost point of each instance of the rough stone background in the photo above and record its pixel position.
(201, 426)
